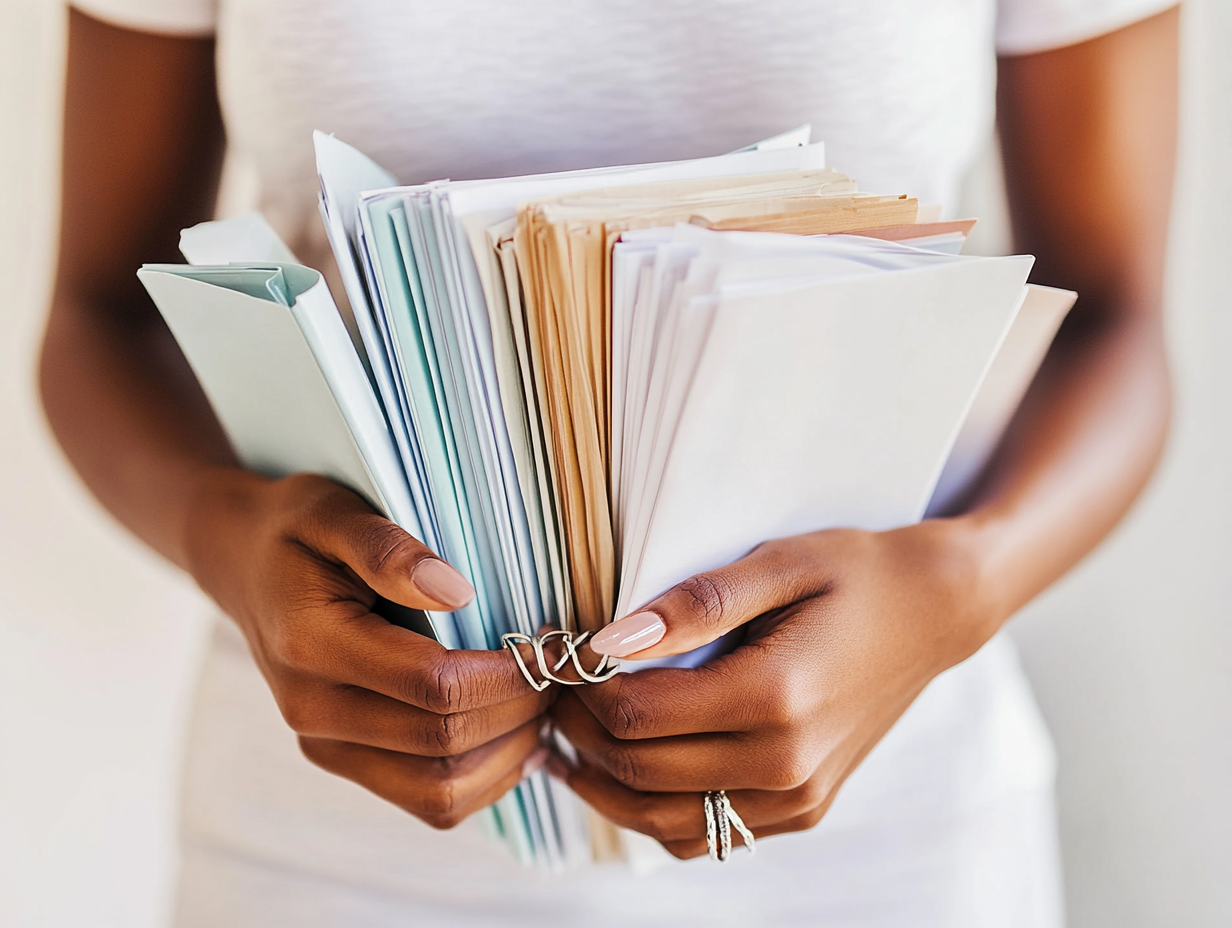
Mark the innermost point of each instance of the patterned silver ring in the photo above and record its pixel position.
(547, 676)
(721, 818)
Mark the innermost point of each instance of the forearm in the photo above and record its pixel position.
(143, 145)
(1084, 444)
(1089, 138)
(131, 419)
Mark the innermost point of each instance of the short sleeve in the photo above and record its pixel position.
(171, 17)
(1025, 26)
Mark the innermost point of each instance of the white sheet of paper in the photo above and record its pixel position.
(244, 238)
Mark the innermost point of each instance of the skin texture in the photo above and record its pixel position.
(842, 629)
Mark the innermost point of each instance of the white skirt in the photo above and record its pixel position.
(949, 822)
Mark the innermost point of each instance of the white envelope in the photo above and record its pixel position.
(861, 387)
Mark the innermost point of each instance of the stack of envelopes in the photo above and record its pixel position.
(601, 387)
(582, 388)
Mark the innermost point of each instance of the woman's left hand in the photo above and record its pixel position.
(844, 629)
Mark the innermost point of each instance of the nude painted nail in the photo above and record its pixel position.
(439, 581)
(534, 762)
(629, 635)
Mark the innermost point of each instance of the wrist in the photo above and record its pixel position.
(962, 585)
(971, 543)
(223, 510)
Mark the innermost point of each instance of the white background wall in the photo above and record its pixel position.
(1131, 655)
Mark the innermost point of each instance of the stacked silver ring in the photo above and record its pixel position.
(547, 676)
(721, 818)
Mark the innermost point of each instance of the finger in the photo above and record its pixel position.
(709, 605)
(351, 714)
(662, 702)
(347, 644)
(341, 527)
(687, 763)
(681, 816)
(441, 791)
(772, 758)
(687, 850)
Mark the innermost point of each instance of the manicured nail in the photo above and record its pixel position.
(535, 761)
(437, 580)
(629, 635)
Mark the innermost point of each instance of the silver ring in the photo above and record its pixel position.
(721, 818)
(547, 676)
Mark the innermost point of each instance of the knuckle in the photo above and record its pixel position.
(443, 822)
(791, 769)
(438, 798)
(448, 734)
(300, 711)
(294, 714)
(787, 706)
(621, 762)
(708, 598)
(437, 685)
(293, 647)
(627, 715)
(387, 547)
(440, 688)
(649, 823)
(297, 641)
(812, 794)
(316, 750)
(813, 817)
(685, 850)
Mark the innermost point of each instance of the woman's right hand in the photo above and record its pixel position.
(298, 563)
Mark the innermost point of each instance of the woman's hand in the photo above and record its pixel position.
(844, 629)
(848, 627)
(298, 563)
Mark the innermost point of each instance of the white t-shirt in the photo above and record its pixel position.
(901, 91)
(947, 821)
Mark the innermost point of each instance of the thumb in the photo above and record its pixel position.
(392, 562)
(709, 605)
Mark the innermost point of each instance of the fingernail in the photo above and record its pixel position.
(534, 762)
(629, 635)
(437, 580)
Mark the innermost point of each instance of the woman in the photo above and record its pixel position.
(945, 820)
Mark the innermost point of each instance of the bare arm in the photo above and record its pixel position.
(298, 562)
(1089, 134)
(143, 145)
(846, 628)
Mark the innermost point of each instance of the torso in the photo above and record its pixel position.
(902, 93)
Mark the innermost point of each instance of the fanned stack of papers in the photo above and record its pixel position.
(583, 388)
